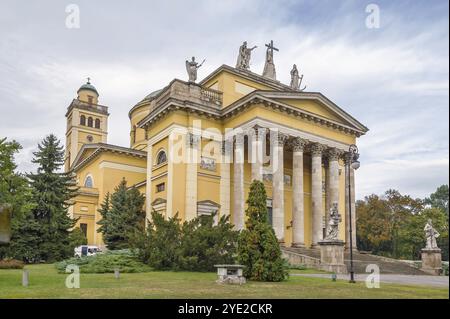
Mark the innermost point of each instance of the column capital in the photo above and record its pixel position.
(256, 132)
(298, 144)
(278, 139)
(317, 149)
(333, 154)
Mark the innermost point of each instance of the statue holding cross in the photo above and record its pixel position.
(269, 66)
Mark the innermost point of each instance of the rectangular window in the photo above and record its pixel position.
(90, 99)
(83, 228)
(160, 187)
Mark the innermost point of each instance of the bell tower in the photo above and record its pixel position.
(87, 122)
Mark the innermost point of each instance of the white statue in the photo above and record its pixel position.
(333, 223)
(191, 68)
(243, 61)
(431, 234)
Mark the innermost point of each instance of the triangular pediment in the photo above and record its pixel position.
(317, 104)
(309, 105)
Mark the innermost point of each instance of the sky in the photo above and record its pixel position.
(393, 77)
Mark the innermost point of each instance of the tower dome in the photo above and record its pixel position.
(88, 93)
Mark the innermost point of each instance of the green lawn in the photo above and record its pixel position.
(45, 282)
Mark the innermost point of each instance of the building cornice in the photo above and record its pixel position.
(103, 147)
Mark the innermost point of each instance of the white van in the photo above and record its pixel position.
(85, 250)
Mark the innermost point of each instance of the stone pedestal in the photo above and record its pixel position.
(432, 261)
(230, 274)
(332, 256)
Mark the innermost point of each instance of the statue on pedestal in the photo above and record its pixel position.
(243, 61)
(191, 68)
(333, 224)
(431, 234)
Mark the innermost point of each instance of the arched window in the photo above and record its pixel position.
(97, 123)
(161, 157)
(82, 120)
(90, 121)
(88, 182)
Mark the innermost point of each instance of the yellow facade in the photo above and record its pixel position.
(167, 120)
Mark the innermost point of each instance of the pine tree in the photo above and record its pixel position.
(104, 210)
(258, 247)
(51, 192)
(124, 218)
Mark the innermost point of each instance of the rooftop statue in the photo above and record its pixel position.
(192, 67)
(269, 66)
(243, 60)
(296, 80)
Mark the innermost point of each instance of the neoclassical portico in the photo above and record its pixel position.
(308, 157)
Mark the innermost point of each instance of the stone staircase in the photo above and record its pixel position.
(311, 258)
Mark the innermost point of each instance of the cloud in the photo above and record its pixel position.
(393, 79)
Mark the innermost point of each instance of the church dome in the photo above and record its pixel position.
(88, 86)
(152, 95)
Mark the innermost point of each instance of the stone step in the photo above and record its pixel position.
(361, 261)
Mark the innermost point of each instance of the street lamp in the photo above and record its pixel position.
(352, 162)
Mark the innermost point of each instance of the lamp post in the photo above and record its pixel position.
(352, 162)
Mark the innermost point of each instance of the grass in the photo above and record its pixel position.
(46, 282)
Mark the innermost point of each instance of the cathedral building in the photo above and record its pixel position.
(195, 148)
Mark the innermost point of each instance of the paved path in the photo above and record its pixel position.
(435, 281)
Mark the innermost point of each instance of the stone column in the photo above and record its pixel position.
(333, 160)
(256, 152)
(278, 185)
(192, 156)
(298, 205)
(238, 178)
(316, 193)
(225, 180)
(351, 171)
(148, 186)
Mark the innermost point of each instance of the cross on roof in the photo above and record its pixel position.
(89, 80)
(270, 46)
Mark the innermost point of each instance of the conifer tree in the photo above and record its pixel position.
(258, 247)
(51, 193)
(104, 210)
(124, 218)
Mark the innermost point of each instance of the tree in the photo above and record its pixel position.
(104, 210)
(258, 247)
(77, 237)
(373, 230)
(124, 218)
(14, 191)
(160, 246)
(439, 199)
(205, 244)
(51, 193)
(393, 224)
(13, 186)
